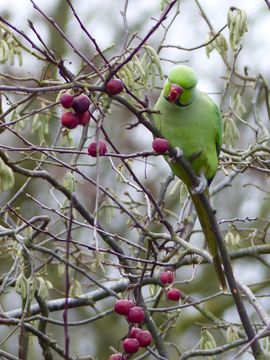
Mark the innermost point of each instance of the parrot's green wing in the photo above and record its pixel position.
(192, 122)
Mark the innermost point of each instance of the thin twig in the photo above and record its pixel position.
(93, 40)
(163, 16)
(268, 4)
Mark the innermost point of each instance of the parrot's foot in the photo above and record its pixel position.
(201, 187)
(178, 154)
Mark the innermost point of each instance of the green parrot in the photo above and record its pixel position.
(190, 120)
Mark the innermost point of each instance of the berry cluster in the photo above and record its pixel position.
(136, 337)
(80, 114)
(167, 278)
(80, 105)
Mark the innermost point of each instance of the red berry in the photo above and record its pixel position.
(160, 145)
(131, 345)
(84, 118)
(69, 120)
(166, 277)
(174, 294)
(114, 86)
(136, 315)
(134, 332)
(66, 100)
(122, 307)
(94, 148)
(144, 337)
(117, 357)
(81, 104)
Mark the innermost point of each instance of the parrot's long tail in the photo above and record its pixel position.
(210, 239)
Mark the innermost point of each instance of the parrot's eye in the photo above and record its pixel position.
(175, 93)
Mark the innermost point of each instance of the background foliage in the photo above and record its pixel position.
(93, 228)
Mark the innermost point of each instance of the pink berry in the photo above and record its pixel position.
(160, 145)
(144, 337)
(136, 315)
(81, 104)
(66, 100)
(122, 307)
(114, 86)
(174, 294)
(69, 120)
(166, 277)
(130, 345)
(97, 148)
(134, 332)
(84, 118)
(117, 357)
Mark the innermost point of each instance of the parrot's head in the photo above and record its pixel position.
(180, 87)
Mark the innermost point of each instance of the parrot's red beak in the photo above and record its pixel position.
(175, 92)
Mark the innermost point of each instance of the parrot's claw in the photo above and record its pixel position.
(179, 153)
(201, 187)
